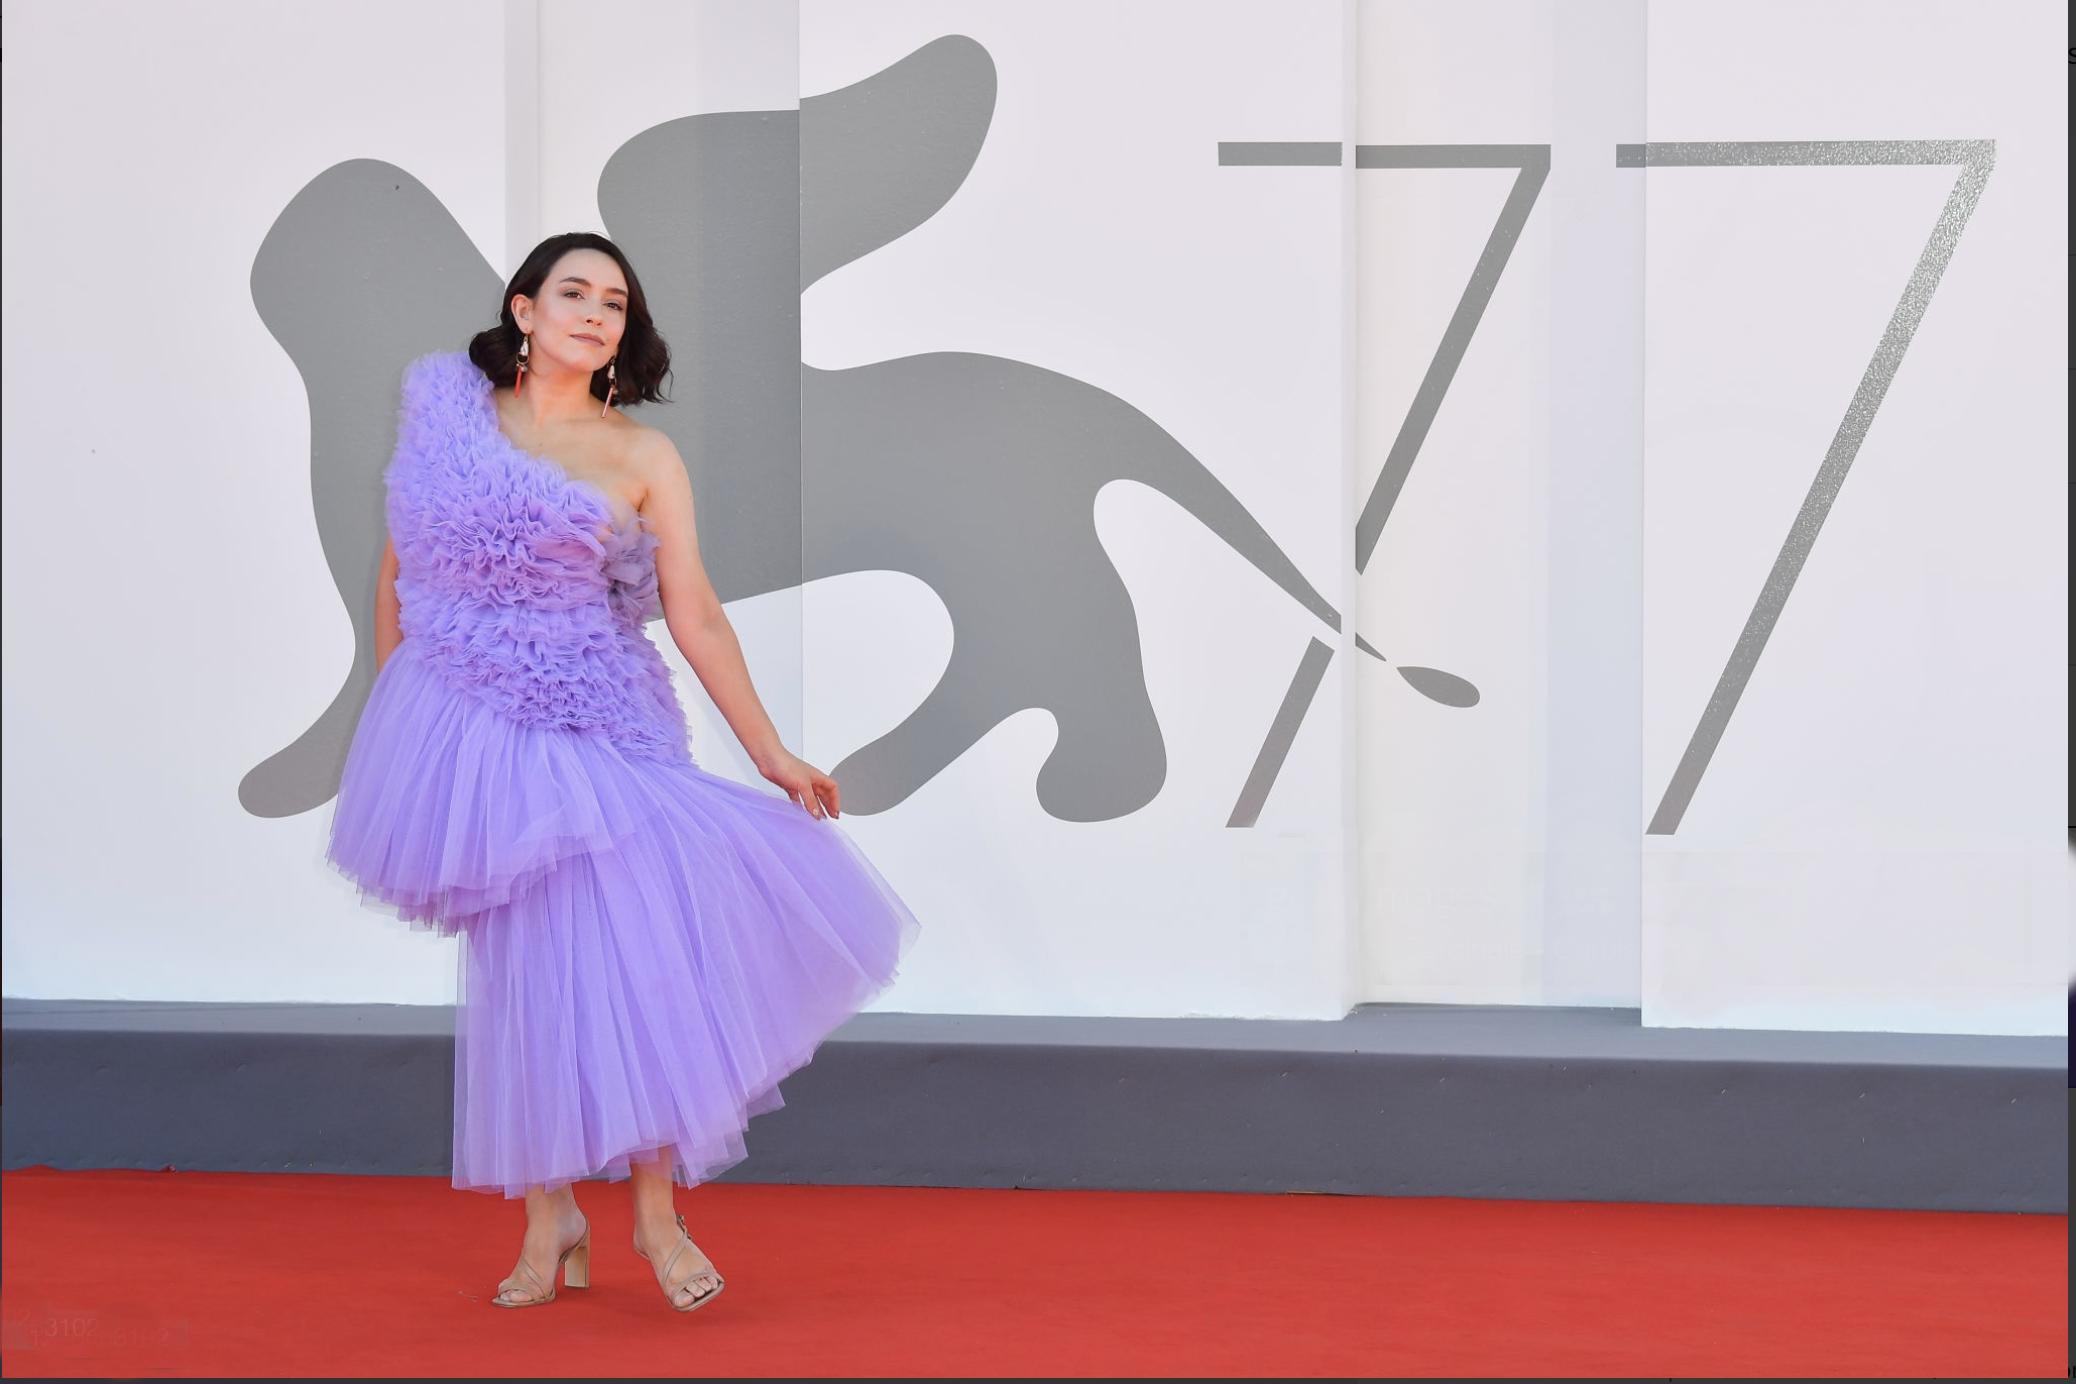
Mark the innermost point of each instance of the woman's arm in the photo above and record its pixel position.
(692, 611)
(387, 632)
(699, 626)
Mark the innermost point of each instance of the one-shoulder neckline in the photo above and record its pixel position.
(487, 397)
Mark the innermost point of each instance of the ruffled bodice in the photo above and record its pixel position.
(516, 580)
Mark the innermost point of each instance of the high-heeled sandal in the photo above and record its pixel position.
(574, 1264)
(671, 1290)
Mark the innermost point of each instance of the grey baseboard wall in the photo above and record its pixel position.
(1393, 1100)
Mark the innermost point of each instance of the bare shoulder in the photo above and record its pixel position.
(632, 445)
(651, 454)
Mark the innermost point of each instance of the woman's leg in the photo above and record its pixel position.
(656, 1229)
(553, 1224)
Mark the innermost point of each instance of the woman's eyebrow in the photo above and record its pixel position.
(573, 279)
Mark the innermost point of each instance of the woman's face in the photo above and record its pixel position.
(584, 296)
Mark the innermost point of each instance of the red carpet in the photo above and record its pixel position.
(125, 1273)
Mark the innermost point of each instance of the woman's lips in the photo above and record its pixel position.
(582, 336)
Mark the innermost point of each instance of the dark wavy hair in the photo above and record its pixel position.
(640, 364)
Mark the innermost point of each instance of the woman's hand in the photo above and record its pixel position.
(804, 783)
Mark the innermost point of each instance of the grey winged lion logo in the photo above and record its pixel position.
(973, 473)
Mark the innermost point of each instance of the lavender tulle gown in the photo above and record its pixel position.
(647, 948)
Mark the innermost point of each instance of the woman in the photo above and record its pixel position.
(647, 948)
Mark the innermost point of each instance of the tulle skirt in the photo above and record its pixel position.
(647, 948)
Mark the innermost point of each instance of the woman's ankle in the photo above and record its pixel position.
(559, 1206)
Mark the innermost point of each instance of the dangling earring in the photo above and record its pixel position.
(609, 387)
(519, 381)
